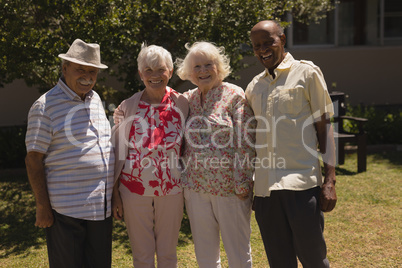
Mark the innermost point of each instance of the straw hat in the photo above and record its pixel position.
(84, 54)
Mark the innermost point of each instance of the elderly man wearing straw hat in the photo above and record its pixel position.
(70, 163)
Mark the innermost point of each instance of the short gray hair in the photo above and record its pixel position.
(153, 56)
(209, 50)
(64, 62)
(281, 31)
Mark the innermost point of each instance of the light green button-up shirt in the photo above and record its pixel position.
(286, 141)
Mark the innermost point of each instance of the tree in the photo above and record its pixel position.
(33, 33)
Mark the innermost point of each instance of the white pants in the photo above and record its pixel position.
(210, 214)
(153, 225)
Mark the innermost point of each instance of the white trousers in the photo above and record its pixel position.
(210, 214)
(153, 225)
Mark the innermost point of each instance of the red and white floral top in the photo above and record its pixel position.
(152, 165)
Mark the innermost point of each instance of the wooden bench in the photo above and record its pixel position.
(342, 137)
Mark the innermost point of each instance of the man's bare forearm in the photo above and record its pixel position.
(326, 142)
(36, 175)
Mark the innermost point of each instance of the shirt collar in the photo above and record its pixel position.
(168, 92)
(285, 64)
(70, 93)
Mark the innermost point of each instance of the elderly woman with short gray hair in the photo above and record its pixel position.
(148, 138)
(217, 179)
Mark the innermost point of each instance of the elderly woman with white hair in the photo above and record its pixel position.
(219, 148)
(148, 138)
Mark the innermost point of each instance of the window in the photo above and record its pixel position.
(392, 20)
(352, 23)
(321, 33)
(315, 33)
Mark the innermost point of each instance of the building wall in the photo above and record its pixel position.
(15, 101)
(368, 75)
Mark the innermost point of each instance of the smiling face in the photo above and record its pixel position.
(157, 77)
(204, 72)
(268, 44)
(79, 78)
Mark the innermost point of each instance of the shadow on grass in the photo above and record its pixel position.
(120, 235)
(394, 157)
(17, 214)
(344, 172)
(185, 236)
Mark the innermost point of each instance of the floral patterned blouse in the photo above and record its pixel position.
(152, 164)
(219, 149)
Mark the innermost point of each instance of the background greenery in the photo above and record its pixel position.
(34, 32)
(364, 230)
(12, 147)
(384, 124)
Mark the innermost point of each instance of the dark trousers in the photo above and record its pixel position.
(79, 243)
(292, 225)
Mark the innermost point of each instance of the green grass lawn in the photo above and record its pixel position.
(363, 231)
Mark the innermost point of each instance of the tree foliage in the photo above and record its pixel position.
(34, 32)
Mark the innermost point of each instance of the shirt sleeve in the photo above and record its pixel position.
(320, 100)
(39, 130)
(244, 140)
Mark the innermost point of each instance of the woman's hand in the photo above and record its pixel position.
(118, 116)
(243, 196)
(117, 205)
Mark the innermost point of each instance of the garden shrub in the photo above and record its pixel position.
(384, 124)
(12, 147)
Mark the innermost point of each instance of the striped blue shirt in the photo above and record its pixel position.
(75, 136)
